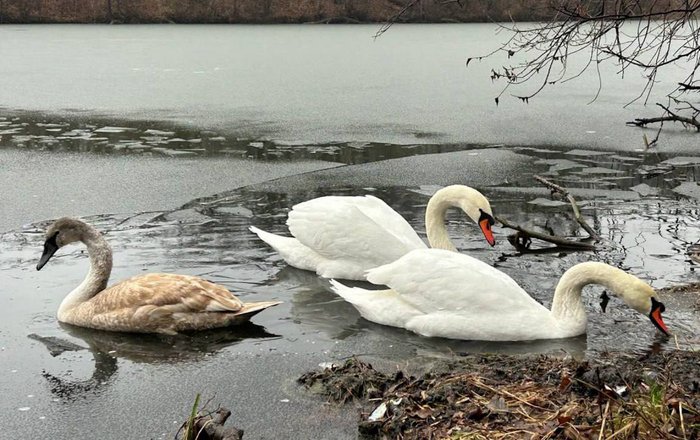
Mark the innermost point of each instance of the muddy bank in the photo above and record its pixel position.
(614, 395)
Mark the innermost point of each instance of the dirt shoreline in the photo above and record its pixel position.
(615, 395)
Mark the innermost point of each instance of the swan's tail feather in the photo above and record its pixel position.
(251, 309)
(271, 239)
(380, 306)
(353, 295)
(290, 249)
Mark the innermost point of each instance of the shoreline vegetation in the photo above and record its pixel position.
(607, 395)
(648, 395)
(281, 11)
(493, 397)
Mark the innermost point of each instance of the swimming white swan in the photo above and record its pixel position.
(151, 303)
(344, 236)
(446, 294)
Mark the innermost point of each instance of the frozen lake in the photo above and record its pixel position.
(314, 84)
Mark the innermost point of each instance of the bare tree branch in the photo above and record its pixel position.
(669, 116)
(649, 36)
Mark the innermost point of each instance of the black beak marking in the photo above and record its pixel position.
(50, 248)
(486, 216)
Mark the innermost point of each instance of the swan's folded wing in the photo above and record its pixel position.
(179, 293)
(362, 228)
(434, 280)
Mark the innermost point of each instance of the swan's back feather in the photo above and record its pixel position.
(163, 303)
(361, 228)
(435, 280)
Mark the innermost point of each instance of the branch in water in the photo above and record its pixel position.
(577, 213)
(559, 241)
(521, 241)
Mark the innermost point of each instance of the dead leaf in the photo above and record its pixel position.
(565, 382)
(563, 419)
(424, 412)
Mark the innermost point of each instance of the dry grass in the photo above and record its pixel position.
(504, 397)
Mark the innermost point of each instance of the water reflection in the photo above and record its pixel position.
(107, 347)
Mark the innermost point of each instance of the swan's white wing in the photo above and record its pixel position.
(362, 228)
(436, 281)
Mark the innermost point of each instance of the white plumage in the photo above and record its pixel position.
(439, 293)
(343, 236)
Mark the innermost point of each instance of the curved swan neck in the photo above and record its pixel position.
(567, 304)
(98, 276)
(458, 196)
(435, 225)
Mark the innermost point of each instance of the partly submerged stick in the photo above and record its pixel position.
(521, 241)
(577, 213)
(559, 241)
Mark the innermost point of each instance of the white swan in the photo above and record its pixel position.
(151, 303)
(446, 294)
(344, 236)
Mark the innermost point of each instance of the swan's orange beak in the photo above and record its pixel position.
(485, 226)
(655, 316)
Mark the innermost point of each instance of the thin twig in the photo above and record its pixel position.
(605, 417)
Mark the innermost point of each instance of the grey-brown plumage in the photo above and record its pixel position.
(151, 303)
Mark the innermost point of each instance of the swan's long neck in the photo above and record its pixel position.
(567, 306)
(96, 280)
(435, 225)
(457, 196)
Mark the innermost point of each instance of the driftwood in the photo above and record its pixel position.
(210, 426)
(213, 427)
(522, 239)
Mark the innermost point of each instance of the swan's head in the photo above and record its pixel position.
(478, 208)
(641, 297)
(469, 200)
(636, 293)
(63, 231)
